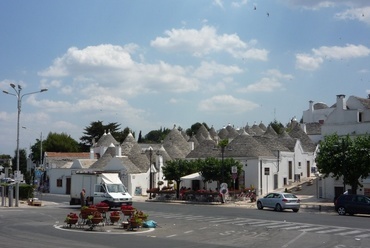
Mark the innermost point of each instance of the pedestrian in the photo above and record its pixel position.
(82, 197)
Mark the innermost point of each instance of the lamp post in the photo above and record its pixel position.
(19, 96)
(150, 171)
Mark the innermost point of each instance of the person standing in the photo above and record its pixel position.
(82, 197)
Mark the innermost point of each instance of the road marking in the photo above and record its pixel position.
(293, 240)
(362, 236)
(351, 232)
(295, 227)
(313, 229)
(332, 230)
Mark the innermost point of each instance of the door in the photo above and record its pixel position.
(99, 193)
(68, 185)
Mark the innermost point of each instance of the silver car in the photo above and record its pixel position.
(279, 202)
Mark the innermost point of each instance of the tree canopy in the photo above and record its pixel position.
(97, 129)
(211, 169)
(345, 157)
(54, 142)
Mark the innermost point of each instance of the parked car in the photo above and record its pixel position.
(7, 180)
(352, 204)
(279, 202)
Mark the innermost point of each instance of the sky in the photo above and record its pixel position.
(149, 64)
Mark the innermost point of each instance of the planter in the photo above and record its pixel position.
(72, 221)
(128, 212)
(102, 209)
(86, 212)
(133, 224)
(114, 219)
(95, 221)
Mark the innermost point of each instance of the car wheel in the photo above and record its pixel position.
(295, 210)
(259, 205)
(341, 211)
(278, 208)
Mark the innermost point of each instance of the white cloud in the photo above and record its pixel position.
(209, 69)
(226, 104)
(347, 52)
(269, 83)
(359, 14)
(313, 61)
(218, 3)
(239, 4)
(205, 41)
(307, 62)
(109, 66)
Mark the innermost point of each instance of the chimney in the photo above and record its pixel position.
(310, 106)
(91, 153)
(341, 102)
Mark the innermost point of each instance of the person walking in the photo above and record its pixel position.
(82, 197)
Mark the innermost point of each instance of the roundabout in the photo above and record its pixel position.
(102, 229)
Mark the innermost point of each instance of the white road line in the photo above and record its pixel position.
(313, 229)
(170, 236)
(281, 225)
(295, 227)
(363, 235)
(332, 230)
(349, 233)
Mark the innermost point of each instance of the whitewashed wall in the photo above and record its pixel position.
(55, 174)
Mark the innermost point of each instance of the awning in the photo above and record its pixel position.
(194, 176)
(111, 178)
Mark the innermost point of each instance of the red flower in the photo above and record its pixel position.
(115, 213)
(127, 207)
(102, 204)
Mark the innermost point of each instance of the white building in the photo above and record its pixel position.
(345, 117)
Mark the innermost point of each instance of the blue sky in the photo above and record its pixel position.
(151, 64)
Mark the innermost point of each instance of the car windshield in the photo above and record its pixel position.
(115, 188)
(289, 196)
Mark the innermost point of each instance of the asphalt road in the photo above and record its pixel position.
(181, 225)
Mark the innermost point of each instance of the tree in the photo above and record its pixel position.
(97, 129)
(345, 157)
(213, 169)
(156, 136)
(58, 143)
(22, 161)
(175, 169)
(195, 127)
(277, 126)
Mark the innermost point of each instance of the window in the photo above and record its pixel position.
(359, 116)
(59, 183)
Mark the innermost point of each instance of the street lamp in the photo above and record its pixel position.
(150, 171)
(19, 96)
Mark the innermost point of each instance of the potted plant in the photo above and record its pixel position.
(114, 216)
(87, 210)
(141, 215)
(71, 219)
(127, 210)
(95, 218)
(102, 207)
(134, 222)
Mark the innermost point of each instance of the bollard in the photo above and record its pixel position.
(3, 196)
(10, 195)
